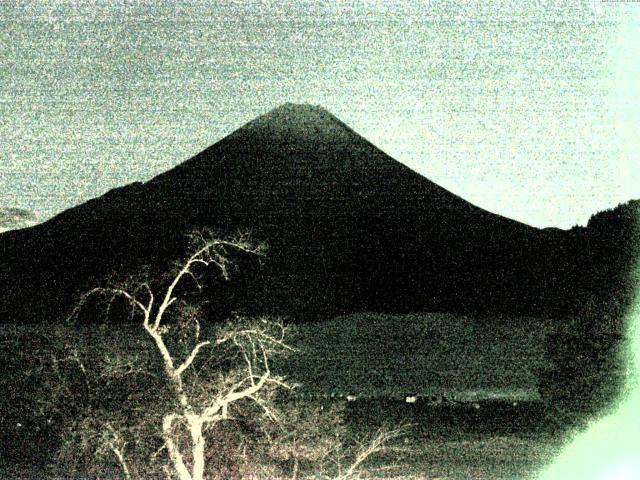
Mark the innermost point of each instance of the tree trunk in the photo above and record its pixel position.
(197, 443)
(294, 475)
(174, 454)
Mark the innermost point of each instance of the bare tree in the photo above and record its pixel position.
(349, 466)
(317, 444)
(198, 403)
(160, 399)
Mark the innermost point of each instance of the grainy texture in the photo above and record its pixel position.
(523, 108)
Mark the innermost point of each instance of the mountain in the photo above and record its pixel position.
(12, 218)
(348, 228)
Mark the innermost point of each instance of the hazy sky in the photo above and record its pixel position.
(528, 111)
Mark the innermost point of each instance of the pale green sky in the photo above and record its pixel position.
(527, 111)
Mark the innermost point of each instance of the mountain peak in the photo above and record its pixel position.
(301, 108)
(299, 112)
(298, 121)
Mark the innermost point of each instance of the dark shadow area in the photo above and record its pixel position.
(349, 229)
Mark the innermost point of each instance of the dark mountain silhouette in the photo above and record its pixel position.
(348, 229)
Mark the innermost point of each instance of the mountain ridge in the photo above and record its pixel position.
(349, 229)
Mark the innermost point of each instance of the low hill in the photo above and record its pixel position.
(391, 356)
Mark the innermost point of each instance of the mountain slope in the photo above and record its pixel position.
(349, 229)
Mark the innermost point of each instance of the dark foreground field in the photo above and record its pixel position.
(498, 440)
(490, 426)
